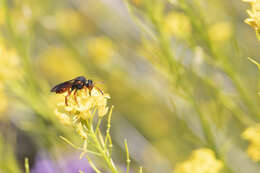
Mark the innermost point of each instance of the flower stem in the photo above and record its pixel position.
(26, 163)
(103, 151)
(127, 157)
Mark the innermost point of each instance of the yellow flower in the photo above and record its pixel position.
(252, 134)
(9, 64)
(177, 24)
(85, 109)
(220, 32)
(69, 22)
(254, 14)
(101, 49)
(63, 117)
(201, 161)
(58, 62)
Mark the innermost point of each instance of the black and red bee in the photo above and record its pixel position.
(74, 85)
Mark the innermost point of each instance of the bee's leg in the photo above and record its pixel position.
(86, 89)
(66, 97)
(89, 90)
(75, 96)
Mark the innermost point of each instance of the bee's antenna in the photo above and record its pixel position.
(99, 82)
(98, 89)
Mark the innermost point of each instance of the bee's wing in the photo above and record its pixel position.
(62, 87)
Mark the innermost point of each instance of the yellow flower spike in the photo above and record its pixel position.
(101, 49)
(85, 107)
(102, 110)
(85, 115)
(10, 65)
(64, 118)
(80, 116)
(201, 161)
(253, 152)
(68, 108)
(252, 134)
(254, 15)
(220, 32)
(69, 22)
(67, 66)
(177, 24)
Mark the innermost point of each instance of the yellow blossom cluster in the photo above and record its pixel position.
(69, 22)
(252, 134)
(101, 48)
(177, 24)
(254, 14)
(220, 32)
(80, 115)
(201, 161)
(9, 63)
(85, 107)
(68, 66)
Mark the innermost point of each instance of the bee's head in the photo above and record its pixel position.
(89, 83)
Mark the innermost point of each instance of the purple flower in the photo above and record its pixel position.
(65, 164)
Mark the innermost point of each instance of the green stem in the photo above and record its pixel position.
(127, 157)
(103, 152)
(26, 163)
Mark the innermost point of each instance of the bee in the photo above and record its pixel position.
(75, 84)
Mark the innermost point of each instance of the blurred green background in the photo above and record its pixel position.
(177, 73)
